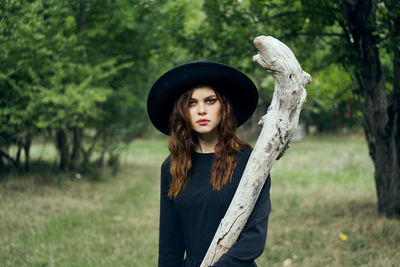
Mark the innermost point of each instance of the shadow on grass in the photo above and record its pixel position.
(46, 174)
(354, 207)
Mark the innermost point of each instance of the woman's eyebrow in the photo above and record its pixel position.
(193, 98)
(210, 96)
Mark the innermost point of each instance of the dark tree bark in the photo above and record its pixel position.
(381, 114)
(6, 156)
(2, 165)
(62, 146)
(394, 12)
(27, 148)
(17, 158)
(100, 161)
(77, 147)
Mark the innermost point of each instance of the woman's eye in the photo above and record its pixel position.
(192, 103)
(211, 101)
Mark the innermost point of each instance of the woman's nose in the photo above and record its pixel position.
(202, 109)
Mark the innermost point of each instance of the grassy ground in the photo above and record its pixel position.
(321, 188)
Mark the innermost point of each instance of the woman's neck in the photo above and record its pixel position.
(207, 142)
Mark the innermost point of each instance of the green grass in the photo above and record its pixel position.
(322, 187)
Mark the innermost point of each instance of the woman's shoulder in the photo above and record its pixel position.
(166, 164)
(243, 155)
(245, 152)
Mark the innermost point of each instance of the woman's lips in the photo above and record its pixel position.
(203, 122)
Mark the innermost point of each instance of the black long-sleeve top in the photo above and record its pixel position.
(188, 222)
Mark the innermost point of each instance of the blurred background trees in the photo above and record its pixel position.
(77, 73)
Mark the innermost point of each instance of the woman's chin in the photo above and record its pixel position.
(205, 130)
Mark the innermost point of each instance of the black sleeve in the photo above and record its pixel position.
(171, 243)
(251, 241)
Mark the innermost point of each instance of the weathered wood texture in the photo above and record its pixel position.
(279, 125)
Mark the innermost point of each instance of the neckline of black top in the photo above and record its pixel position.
(213, 153)
(200, 153)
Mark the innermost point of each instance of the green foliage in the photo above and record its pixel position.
(88, 65)
(47, 82)
(330, 104)
(81, 64)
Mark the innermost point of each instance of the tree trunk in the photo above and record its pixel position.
(18, 157)
(396, 106)
(76, 148)
(279, 124)
(5, 155)
(381, 117)
(27, 147)
(62, 146)
(100, 161)
(2, 165)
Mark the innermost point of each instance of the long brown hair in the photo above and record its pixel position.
(183, 141)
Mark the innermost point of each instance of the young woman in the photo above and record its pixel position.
(200, 105)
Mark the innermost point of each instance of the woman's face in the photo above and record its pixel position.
(204, 110)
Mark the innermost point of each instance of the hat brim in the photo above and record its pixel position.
(228, 81)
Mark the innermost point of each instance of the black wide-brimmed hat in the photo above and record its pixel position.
(228, 81)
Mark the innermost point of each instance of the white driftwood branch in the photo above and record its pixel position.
(279, 124)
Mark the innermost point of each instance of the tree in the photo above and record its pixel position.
(364, 32)
(135, 34)
(46, 85)
(360, 21)
(78, 71)
(360, 36)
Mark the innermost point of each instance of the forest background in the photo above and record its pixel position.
(74, 77)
